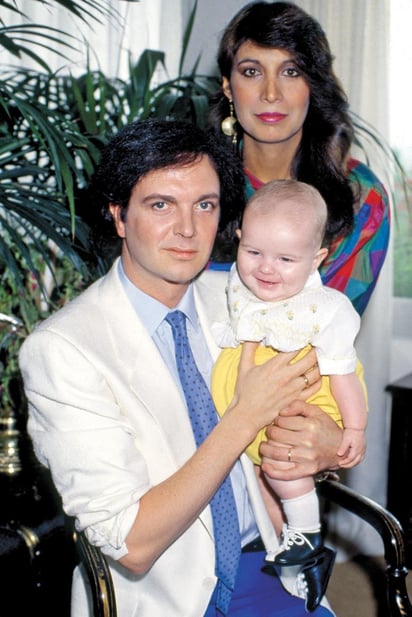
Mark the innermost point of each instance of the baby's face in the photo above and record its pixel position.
(275, 255)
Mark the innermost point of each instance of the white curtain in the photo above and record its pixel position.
(147, 24)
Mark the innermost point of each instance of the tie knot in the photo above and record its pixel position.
(177, 320)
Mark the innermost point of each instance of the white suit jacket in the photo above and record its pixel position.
(107, 418)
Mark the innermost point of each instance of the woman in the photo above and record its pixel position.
(285, 111)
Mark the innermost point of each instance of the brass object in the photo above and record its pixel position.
(30, 538)
(10, 463)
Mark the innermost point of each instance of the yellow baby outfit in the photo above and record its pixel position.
(297, 323)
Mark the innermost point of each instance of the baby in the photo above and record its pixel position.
(276, 298)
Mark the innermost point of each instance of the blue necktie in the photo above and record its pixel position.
(203, 417)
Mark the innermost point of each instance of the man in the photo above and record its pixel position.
(107, 404)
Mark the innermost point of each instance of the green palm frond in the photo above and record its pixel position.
(30, 38)
(81, 9)
(186, 39)
(18, 40)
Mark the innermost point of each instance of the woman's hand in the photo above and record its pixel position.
(304, 436)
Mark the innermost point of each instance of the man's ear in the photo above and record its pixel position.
(238, 233)
(116, 212)
(226, 88)
(319, 257)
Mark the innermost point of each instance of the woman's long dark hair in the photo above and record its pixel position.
(327, 130)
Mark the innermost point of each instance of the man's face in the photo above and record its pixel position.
(170, 228)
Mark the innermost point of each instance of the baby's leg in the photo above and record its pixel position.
(302, 536)
(289, 489)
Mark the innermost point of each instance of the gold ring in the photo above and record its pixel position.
(289, 455)
(306, 380)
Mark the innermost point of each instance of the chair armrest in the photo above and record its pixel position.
(99, 575)
(391, 533)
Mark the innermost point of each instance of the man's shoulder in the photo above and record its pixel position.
(83, 309)
(210, 290)
(212, 278)
(211, 285)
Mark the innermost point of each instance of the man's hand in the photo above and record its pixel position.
(305, 438)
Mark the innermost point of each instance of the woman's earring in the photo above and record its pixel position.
(228, 125)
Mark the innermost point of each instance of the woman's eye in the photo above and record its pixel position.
(291, 71)
(250, 72)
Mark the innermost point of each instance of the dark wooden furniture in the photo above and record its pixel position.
(39, 549)
(399, 490)
(392, 537)
(37, 553)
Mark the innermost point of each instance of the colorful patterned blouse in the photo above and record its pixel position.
(355, 260)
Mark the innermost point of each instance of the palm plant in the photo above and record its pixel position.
(40, 151)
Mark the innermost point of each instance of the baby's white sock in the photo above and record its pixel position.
(302, 513)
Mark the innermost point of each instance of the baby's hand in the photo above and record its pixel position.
(353, 447)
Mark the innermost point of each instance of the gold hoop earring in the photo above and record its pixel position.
(228, 124)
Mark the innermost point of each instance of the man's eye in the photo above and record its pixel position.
(159, 205)
(206, 206)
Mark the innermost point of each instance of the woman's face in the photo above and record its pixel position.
(269, 94)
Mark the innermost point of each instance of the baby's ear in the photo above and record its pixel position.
(319, 257)
(238, 233)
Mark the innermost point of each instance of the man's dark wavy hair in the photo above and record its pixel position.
(328, 130)
(145, 146)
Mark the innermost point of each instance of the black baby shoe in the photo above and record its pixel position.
(298, 548)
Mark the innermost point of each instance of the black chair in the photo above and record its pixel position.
(392, 536)
(100, 579)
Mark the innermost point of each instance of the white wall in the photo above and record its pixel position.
(401, 343)
(211, 18)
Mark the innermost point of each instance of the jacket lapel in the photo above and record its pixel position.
(210, 299)
(147, 376)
